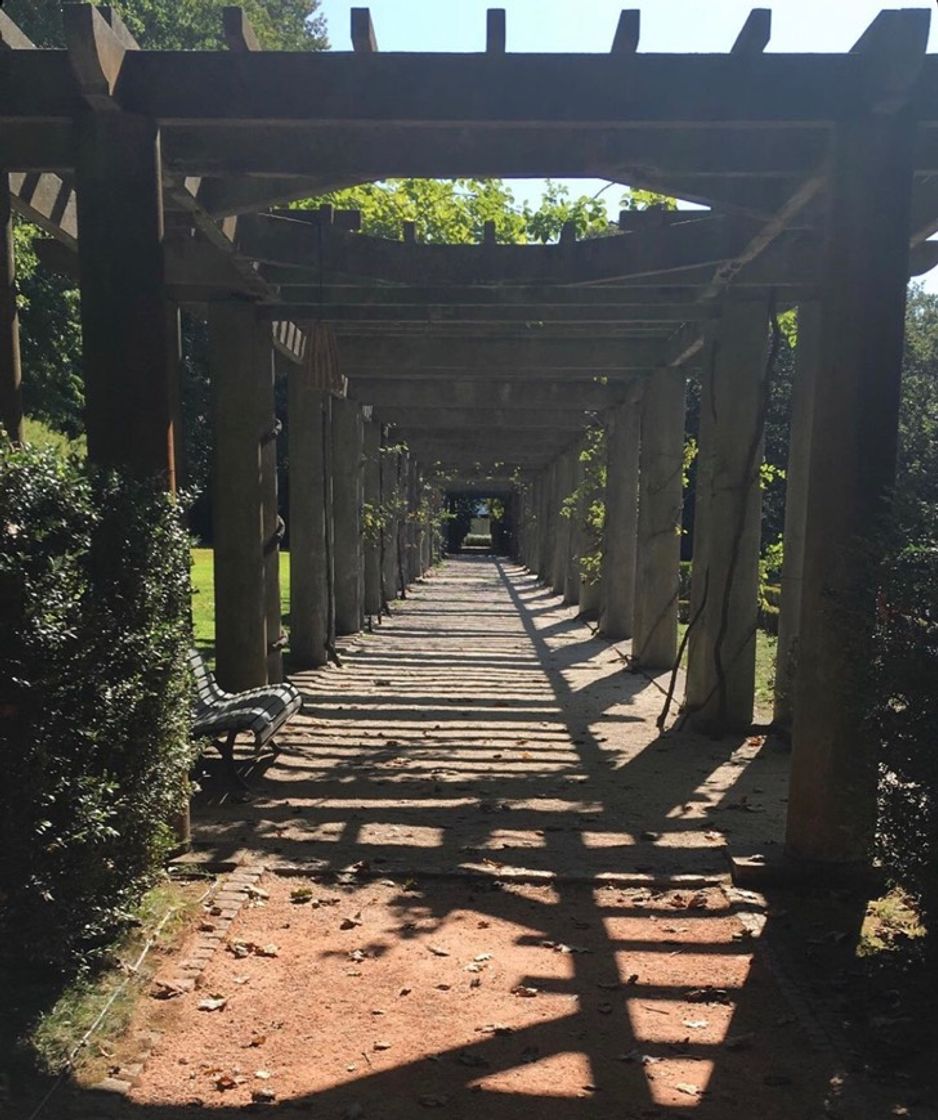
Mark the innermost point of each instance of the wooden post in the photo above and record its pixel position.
(309, 609)
(347, 460)
(11, 392)
(127, 354)
(832, 803)
(561, 490)
(574, 531)
(548, 523)
(721, 659)
(239, 364)
(807, 354)
(658, 563)
(372, 493)
(390, 497)
(621, 531)
(273, 526)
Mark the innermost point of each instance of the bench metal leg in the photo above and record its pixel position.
(226, 750)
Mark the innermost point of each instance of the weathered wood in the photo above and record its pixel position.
(127, 363)
(460, 392)
(832, 804)
(657, 575)
(511, 357)
(495, 31)
(419, 417)
(371, 544)
(807, 354)
(364, 40)
(239, 35)
(347, 463)
(621, 528)
(755, 34)
(96, 54)
(11, 374)
(238, 363)
(721, 651)
(533, 315)
(628, 31)
(49, 202)
(309, 609)
(272, 524)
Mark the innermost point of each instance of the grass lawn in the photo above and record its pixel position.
(203, 599)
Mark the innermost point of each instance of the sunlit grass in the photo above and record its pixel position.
(203, 598)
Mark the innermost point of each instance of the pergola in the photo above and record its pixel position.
(159, 178)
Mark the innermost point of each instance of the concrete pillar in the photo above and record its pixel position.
(238, 362)
(832, 802)
(273, 525)
(807, 353)
(11, 393)
(660, 501)
(372, 539)
(621, 529)
(410, 533)
(574, 530)
(127, 361)
(347, 463)
(721, 661)
(309, 609)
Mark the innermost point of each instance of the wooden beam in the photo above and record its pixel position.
(755, 34)
(364, 40)
(628, 29)
(238, 32)
(893, 48)
(96, 53)
(380, 356)
(116, 23)
(534, 315)
(49, 202)
(11, 393)
(524, 395)
(11, 37)
(495, 31)
(420, 417)
(536, 90)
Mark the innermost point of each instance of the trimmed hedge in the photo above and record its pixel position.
(94, 711)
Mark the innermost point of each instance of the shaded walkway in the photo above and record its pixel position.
(516, 896)
(483, 728)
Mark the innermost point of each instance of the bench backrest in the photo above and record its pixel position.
(205, 687)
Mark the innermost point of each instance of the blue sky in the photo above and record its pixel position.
(588, 26)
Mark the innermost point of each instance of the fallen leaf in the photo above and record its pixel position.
(225, 1081)
(301, 894)
(262, 1074)
(212, 1003)
(696, 1024)
(263, 1096)
(687, 1089)
(382, 1045)
(161, 990)
(524, 991)
(438, 951)
(351, 923)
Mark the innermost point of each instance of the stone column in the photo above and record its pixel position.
(796, 499)
(273, 525)
(658, 565)
(309, 608)
(721, 659)
(127, 361)
(347, 462)
(832, 803)
(11, 393)
(621, 530)
(372, 544)
(239, 362)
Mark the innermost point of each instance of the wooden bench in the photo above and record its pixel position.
(221, 715)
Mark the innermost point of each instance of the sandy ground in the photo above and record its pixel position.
(514, 895)
(483, 727)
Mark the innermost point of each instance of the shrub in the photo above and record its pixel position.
(94, 608)
(904, 713)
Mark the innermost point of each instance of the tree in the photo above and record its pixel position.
(174, 25)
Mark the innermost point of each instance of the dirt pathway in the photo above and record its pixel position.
(501, 893)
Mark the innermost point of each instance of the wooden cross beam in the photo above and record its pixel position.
(527, 396)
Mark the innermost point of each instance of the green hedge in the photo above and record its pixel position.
(94, 628)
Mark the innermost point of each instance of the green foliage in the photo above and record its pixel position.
(41, 436)
(691, 450)
(186, 25)
(94, 632)
(903, 707)
(556, 208)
